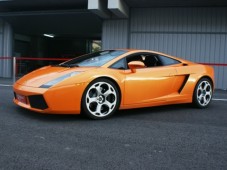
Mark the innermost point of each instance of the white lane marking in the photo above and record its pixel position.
(6, 85)
(220, 100)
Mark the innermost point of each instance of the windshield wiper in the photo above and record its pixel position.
(74, 65)
(63, 65)
(68, 65)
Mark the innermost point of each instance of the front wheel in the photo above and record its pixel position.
(100, 99)
(203, 93)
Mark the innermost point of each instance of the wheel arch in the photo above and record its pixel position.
(209, 78)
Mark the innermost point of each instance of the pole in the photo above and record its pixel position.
(14, 70)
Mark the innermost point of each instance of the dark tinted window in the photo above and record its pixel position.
(167, 61)
(152, 61)
(121, 64)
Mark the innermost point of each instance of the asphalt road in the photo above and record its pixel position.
(170, 137)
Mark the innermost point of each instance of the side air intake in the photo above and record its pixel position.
(183, 84)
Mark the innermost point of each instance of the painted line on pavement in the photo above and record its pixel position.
(5, 85)
(220, 100)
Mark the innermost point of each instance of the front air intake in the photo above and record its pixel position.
(37, 102)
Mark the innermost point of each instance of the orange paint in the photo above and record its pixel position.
(139, 85)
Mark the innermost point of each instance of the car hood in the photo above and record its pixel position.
(45, 74)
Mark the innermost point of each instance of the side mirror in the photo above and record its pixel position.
(133, 65)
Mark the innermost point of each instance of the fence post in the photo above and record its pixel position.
(14, 70)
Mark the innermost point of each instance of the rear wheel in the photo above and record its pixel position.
(100, 99)
(203, 93)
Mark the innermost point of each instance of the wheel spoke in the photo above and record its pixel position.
(92, 99)
(206, 85)
(209, 93)
(206, 99)
(203, 101)
(200, 97)
(99, 89)
(110, 105)
(200, 87)
(108, 92)
(99, 108)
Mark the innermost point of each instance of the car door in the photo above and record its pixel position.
(148, 85)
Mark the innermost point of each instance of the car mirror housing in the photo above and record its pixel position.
(133, 65)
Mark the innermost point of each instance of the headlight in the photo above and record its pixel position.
(58, 80)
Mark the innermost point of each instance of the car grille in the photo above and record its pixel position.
(38, 102)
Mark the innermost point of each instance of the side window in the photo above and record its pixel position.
(152, 61)
(120, 64)
(149, 60)
(168, 61)
(137, 57)
(134, 57)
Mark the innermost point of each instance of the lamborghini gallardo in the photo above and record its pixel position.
(100, 83)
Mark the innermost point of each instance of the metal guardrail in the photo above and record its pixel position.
(16, 65)
(15, 59)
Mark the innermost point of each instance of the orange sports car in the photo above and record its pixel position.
(100, 83)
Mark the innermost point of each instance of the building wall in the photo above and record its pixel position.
(5, 49)
(197, 34)
(115, 34)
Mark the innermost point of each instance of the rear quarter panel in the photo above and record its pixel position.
(195, 72)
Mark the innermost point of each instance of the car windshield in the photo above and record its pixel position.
(96, 59)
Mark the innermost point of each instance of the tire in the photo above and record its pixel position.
(203, 93)
(100, 99)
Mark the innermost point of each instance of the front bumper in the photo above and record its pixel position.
(59, 100)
